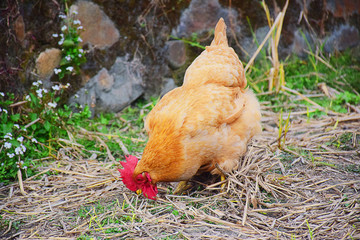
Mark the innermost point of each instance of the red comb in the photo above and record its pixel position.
(127, 172)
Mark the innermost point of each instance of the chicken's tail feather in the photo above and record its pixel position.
(220, 34)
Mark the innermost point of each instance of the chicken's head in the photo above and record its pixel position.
(140, 182)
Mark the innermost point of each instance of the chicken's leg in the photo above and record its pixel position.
(222, 178)
(182, 187)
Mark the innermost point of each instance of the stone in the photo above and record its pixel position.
(19, 28)
(300, 43)
(168, 84)
(343, 8)
(47, 61)
(105, 81)
(113, 90)
(342, 38)
(251, 45)
(176, 53)
(99, 30)
(202, 15)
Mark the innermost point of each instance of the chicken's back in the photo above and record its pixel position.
(218, 64)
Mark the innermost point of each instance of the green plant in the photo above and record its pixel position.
(276, 74)
(193, 42)
(29, 128)
(311, 56)
(310, 230)
(283, 130)
(72, 53)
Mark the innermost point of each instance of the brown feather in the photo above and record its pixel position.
(208, 120)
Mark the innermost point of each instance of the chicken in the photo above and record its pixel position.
(202, 126)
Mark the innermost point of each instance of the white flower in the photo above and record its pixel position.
(80, 27)
(34, 140)
(75, 12)
(70, 68)
(8, 135)
(45, 90)
(62, 16)
(77, 22)
(36, 84)
(5, 111)
(39, 93)
(17, 126)
(81, 50)
(68, 58)
(61, 42)
(10, 155)
(56, 87)
(27, 98)
(0, 109)
(25, 167)
(18, 151)
(20, 139)
(64, 28)
(2, 164)
(52, 105)
(2, 94)
(57, 70)
(67, 85)
(55, 35)
(79, 39)
(80, 55)
(7, 145)
(62, 36)
(23, 148)
(76, 96)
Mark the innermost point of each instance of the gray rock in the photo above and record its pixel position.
(342, 38)
(113, 90)
(167, 85)
(202, 16)
(176, 53)
(301, 42)
(251, 44)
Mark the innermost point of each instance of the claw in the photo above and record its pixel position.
(182, 187)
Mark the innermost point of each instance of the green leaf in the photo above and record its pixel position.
(68, 43)
(33, 116)
(15, 117)
(47, 126)
(103, 120)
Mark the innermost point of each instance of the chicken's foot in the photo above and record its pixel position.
(182, 187)
(223, 175)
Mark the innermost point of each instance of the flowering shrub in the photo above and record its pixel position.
(29, 128)
(72, 54)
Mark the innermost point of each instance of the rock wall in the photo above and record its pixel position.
(132, 47)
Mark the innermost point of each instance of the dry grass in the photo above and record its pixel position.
(308, 190)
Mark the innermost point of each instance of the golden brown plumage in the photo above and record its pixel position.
(208, 120)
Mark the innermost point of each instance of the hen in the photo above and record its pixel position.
(201, 126)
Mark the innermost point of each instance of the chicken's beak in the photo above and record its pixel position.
(139, 191)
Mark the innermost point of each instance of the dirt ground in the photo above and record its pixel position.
(309, 188)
